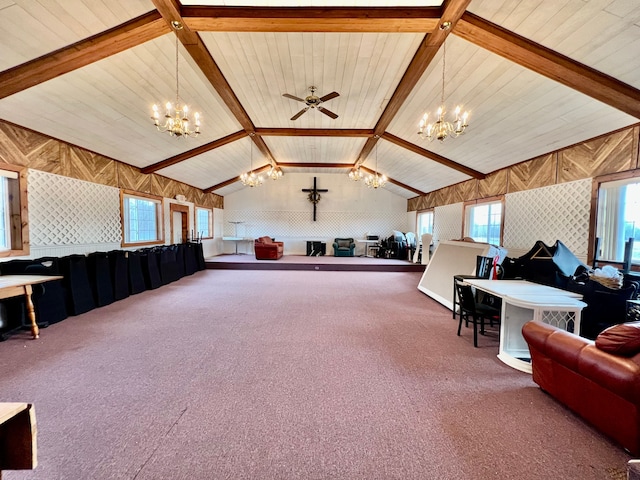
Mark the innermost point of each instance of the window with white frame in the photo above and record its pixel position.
(618, 219)
(13, 236)
(425, 223)
(204, 222)
(141, 219)
(483, 222)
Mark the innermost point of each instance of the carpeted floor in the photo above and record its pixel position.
(288, 375)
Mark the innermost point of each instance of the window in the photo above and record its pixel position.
(425, 223)
(204, 222)
(618, 219)
(141, 219)
(13, 206)
(483, 222)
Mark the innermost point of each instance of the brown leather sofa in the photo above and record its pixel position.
(267, 249)
(600, 381)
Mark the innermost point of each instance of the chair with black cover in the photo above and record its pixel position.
(472, 311)
(200, 256)
(605, 306)
(119, 269)
(136, 277)
(99, 273)
(76, 282)
(191, 258)
(150, 261)
(167, 265)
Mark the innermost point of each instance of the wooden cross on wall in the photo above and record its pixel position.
(314, 196)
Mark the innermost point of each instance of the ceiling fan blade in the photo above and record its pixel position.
(292, 97)
(329, 113)
(297, 115)
(329, 96)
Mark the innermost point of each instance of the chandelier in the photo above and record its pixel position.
(355, 174)
(274, 173)
(176, 117)
(250, 179)
(375, 180)
(442, 129)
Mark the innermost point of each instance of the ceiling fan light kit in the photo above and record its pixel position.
(313, 101)
(177, 122)
(441, 128)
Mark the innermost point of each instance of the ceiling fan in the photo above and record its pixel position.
(313, 101)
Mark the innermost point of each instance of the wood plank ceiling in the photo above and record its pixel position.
(537, 76)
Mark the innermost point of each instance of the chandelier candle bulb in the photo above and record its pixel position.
(442, 128)
(177, 120)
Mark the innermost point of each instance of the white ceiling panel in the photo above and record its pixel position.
(414, 170)
(364, 68)
(32, 28)
(106, 106)
(315, 149)
(515, 113)
(603, 34)
(217, 166)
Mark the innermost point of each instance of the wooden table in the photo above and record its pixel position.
(523, 301)
(18, 446)
(16, 285)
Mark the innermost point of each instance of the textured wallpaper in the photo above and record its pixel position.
(558, 212)
(65, 211)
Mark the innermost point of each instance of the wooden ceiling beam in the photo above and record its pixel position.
(549, 63)
(80, 54)
(433, 156)
(191, 40)
(314, 132)
(312, 19)
(395, 182)
(315, 165)
(451, 11)
(181, 157)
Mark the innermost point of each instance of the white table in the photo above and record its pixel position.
(238, 239)
(523, 301)
(367, 245)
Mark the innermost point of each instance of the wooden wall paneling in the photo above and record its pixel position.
(19, 146)
(636, 145)
(536, 173)
(448, 195)
(91, 167)
(218, 200)
(130, 178)
(165, 187)
(48, 157)
(493, 184)
(415, 204)
(469, 189)
(607, 154)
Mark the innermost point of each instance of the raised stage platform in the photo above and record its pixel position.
(303, 262)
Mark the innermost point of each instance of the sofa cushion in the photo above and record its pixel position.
(344, 243)
(622, 339)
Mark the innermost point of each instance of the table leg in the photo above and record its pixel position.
(35, 331)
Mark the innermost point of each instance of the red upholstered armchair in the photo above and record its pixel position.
(267, 249)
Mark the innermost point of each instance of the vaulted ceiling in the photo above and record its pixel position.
(536, 76)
